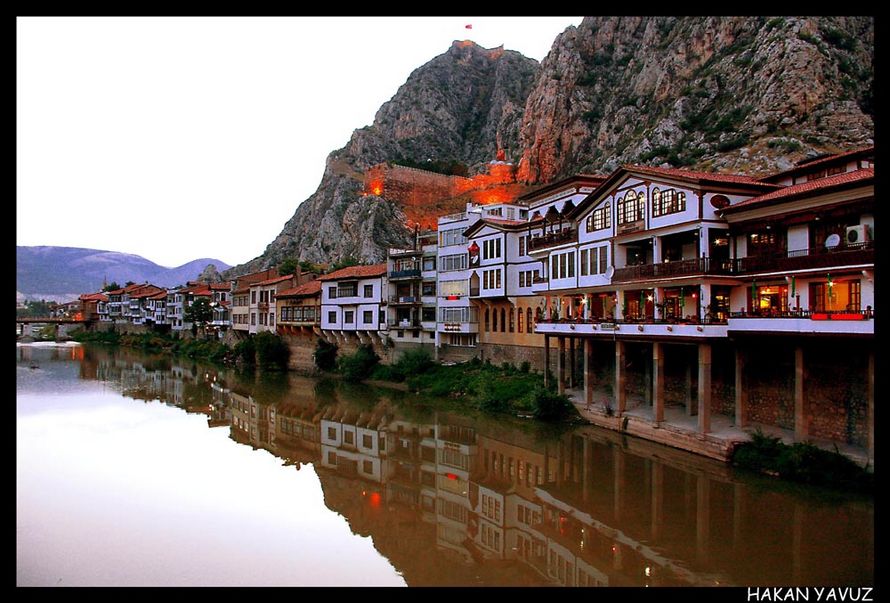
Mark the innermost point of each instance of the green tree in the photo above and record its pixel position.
(200, 312)
(111, 286)
(345, 263)
(288, 266)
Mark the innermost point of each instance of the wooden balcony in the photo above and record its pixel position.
(696, 266)
(553, 239)
(804, 259)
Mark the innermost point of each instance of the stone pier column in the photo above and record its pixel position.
(800, 417)
(561, 365)
(704, 387)
(657, 499)
(741, 394)
(572, 377)
(870, 396)
(702, 517)
(658, 381)
(620, 377)
(546, 360)
(588, 371)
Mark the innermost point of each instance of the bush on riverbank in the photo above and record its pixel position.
(104, 337)
(325, 355)
(271, 351)
(801, 462)
(358, 365)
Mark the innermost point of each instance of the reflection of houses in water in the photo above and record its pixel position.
(296, 436)
(354, 441)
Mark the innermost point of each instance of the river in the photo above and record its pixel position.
(140, 470)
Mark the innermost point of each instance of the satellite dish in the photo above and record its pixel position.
(833, 240)
(610, 271)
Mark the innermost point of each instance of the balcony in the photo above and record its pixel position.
(404, 300)
(645, 327)
(540, 284)
(804, 259)
(842, 322)
(552, 239)
(457, 327)
(404, 324)
(694, 266)
(412, 273)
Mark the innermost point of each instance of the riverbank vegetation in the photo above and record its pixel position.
(265, 350)
(801, 462)
(475, 384)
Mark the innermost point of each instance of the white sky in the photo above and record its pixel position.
(181, 138)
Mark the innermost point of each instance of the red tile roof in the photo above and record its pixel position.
(220, 286)
(245, 289)
(695, 176)
(806, 188)
(93, 297)
(160, 295)
(805, 167)
(306, 289)
(146, 291)
(355, 272)
(271, 281)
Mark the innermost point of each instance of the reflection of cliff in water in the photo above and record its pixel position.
(452, 499)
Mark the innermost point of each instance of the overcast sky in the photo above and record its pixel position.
(181, 138)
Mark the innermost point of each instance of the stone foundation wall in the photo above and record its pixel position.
(835, 395)
(769, 381)
(457, 354)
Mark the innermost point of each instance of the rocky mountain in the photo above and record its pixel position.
(749, 94)
(63, 273)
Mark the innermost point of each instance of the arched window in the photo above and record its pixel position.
(630, 207)
(656, 201)
(503, 321)
(529, 325)
(641, 206)
(619, 209)
(519, 314)
(512, 319)
(486, 319)
(494, 320)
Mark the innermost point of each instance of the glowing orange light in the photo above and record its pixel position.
(375, 499)
(450, 476)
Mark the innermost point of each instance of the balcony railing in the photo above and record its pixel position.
(404, 299)
(552, 239)
(677, 268)
(404, 324)
(401, 274)
(811, 314)
(630, 320)
(803, 259)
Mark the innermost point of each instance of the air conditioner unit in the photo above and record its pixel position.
(858, 234)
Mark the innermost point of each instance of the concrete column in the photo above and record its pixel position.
(691, 410)
(656, 250)
(546, 360)
(561, 365)
(619, 306)
(618, 481)
(659, 298)
(547, 312)
(588, 371)
(657, 499)
(658, 381)
(741, 394)
(620, 377)
(870, 396)
(800, 417)
(572, 377)
(705, 299)
(704, 387)
(702, 517)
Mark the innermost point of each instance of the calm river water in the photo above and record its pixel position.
(144, 470)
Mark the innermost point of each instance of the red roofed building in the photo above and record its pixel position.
(299, 309)
(90, 303)
(353, 303)
(254, 302)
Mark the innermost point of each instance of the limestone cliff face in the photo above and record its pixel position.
(461, 106)
(747, 93)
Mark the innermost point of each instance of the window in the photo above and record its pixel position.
(584, 266)
(428, 314)
(529, 325)
(491, 248)
(486, 319)
(429, 264)
(494, 320)
(367, 467)
(253, 318)
(252, 297)
(503, 321)
(348, 437)
(512, 320)
(519, 315)
(347, 316)
(332, 458)
(382, 317)
(453, 262)
(369, 291)
(271, 319)
(667, 202)
(455, 236)
(631, 207)
(571, 261)
(428, 288)
(522, 242)
(600, 218)
(332, 433)
(332, 292)
(457, 315)
(367, 441)
(332, 317)
(604, 259)
(368, 317)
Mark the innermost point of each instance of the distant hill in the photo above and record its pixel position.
(66, 272)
